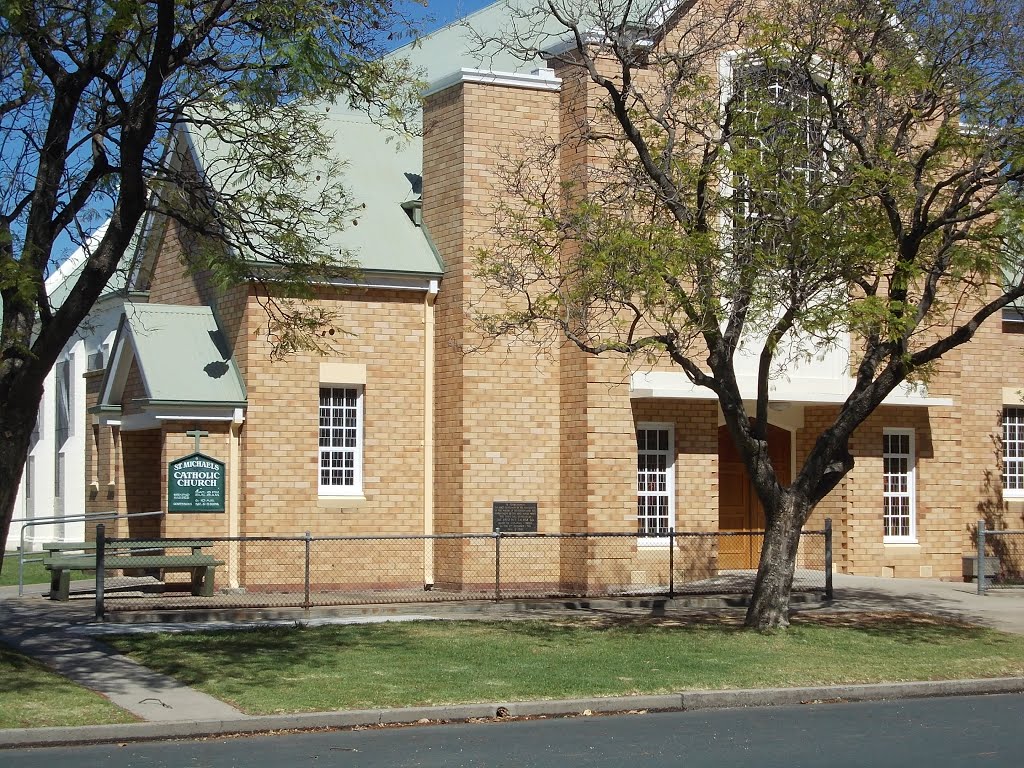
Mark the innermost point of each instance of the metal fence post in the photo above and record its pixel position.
(101, 562)
(497, 564)
(305, 601)
(671, 563)
(828, 558)
(981, 557)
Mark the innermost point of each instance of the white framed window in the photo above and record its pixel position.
(898, 475)
(341, 441)
(64, 422)
(30, 479)
(778, 122)
(58, 475)
(655, 485)
(1013, 452)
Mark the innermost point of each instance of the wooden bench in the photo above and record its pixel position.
(61, 558)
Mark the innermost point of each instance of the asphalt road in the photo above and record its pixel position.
(967, 731)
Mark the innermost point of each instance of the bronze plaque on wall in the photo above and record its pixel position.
(514, 516)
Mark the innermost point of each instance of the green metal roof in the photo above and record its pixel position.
(182, 355)
(381, 173)
(382, 169)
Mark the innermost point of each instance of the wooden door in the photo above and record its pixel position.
(739, 509)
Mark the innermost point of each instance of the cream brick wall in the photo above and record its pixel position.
(100, 464)
(514, 422)
(171, 281)
(383, 330)
(958, 470)
(443, 212)
(958, 452)
(497, 408)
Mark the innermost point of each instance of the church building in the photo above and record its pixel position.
(410, 426)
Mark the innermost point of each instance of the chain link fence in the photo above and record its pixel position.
(311, 571)
(999, 562)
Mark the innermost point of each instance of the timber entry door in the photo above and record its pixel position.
(739, 509)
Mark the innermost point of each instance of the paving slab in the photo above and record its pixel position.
(1001, 609)
(31, 626)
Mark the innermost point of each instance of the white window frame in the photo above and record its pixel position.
(30, 480)
(910, 493)
(670, 480)
(1013, 452)
(337, 489)
(729, 64)
(63, 403)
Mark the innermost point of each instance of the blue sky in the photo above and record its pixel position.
(446, 11)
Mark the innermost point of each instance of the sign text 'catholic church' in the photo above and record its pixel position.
(195, 483)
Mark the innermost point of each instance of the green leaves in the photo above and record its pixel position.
(844, 168)
(93, 94)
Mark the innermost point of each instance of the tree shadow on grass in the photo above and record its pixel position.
(267, 652)
(251, 653)
(21, 674)
(903, 626)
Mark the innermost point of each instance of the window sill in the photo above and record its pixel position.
(652, 542)
(900, 543)
(340, 502)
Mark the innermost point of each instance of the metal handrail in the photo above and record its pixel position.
(85, 517)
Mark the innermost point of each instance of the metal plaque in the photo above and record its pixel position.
(514, 516)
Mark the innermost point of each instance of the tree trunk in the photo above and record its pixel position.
(769, 604)
(17, 421)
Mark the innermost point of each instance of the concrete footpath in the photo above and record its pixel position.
(64, 636)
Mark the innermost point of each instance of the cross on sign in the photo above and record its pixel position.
(198, 434)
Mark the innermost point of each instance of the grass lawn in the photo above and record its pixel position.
(32, 697)
(35, 573)
(296, 669)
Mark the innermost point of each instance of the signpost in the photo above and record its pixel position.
(195, 483)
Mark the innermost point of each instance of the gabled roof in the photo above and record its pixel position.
(61, 282)
(381, 173)
(182, 356)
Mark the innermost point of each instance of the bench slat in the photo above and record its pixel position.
(61, 546)
(85, 563)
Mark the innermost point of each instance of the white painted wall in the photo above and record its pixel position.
(94, 335)
(807, 375)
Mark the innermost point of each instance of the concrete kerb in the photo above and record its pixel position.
(687, 700)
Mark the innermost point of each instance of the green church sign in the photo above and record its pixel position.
(195, 483)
